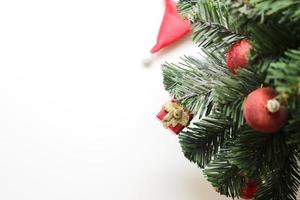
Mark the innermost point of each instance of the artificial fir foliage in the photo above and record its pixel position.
(229, 149)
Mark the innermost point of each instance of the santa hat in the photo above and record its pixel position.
(173, 27)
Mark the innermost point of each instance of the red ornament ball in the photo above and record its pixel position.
(237, 55)
(260, 115)
(250, 190)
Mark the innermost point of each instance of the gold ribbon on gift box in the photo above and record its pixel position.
(176, 115)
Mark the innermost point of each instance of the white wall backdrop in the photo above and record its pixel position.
(77, 109)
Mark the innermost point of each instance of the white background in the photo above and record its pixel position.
(77, 108)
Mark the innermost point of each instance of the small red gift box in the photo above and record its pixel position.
(174, 117)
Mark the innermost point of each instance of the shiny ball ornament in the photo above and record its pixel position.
(263, 112)
(249, 191)
(237, 55)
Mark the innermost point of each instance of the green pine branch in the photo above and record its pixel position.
(234, 112)
(215, 36)
(195, 78)
(189, 81)
(256, 153)
(202, 140)
(185, 8)
(205, 11)
(282, 10)
(271, 39)
(293, 130)
(285, 73)
(270, 158)
(281, 183)
(218, 139)
(211, 25)
(231, 88)
(225, 177)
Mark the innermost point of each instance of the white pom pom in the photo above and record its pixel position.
(273, 105)
(148, 60)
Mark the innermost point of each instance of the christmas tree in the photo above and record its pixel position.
(243, 93)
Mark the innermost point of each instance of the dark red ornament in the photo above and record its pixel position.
(249, 191)
(237, 55)
(259, 112)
